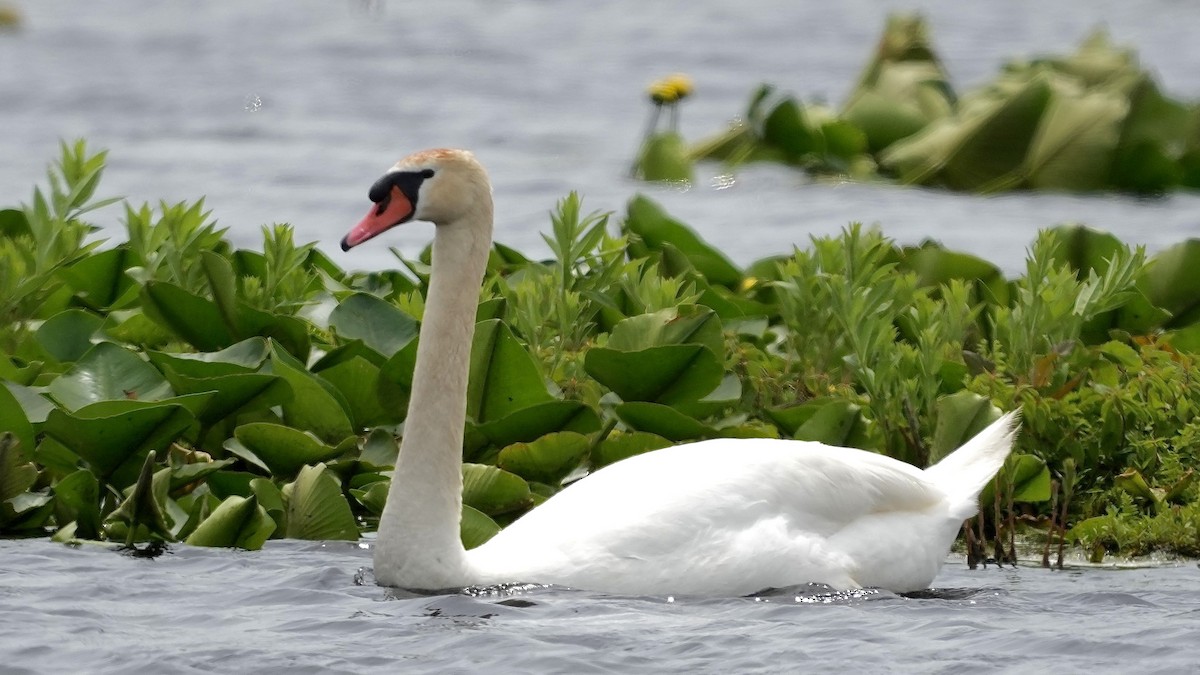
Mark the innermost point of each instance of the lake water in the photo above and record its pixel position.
(287, 111)
(295, 606)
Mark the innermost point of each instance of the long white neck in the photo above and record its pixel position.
(418, 545)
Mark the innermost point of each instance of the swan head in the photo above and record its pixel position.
(442, 186)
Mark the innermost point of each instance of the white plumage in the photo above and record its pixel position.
(718, 517)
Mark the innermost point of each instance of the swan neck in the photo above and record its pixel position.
(419, 544)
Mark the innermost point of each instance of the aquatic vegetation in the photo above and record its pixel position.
(174, 388)
(1090, 120)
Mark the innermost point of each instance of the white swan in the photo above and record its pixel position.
(719, 517)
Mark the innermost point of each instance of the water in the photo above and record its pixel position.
(295, 606)
(287, 111)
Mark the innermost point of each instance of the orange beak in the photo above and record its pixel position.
(392, 210)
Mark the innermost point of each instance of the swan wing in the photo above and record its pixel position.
(725, 516)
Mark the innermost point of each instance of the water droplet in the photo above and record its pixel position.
(670, 598)
(252, 103)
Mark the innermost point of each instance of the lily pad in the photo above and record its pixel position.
(665, 374)
(504, 377)
(475, 528)
(663, 421)
(317, 509)
(108, 372)
(283, 449)
(621, 446)
(653, 227)
(68, 335)
(238, 522)
(548, 459)
(377, 322)
(315, 406)
(492, 490)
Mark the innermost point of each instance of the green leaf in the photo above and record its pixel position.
(1170, 281)
(530, 423)
(548, 459)
(787, 129)
(666, 374)
(621, 446)
(831, 421)
(242, 357)
(1075, 142)
(283, 449)
(373, 497)
(493, 491)
(504, 377)
(238, 522)
(17, 475)
(68, 335)
(193, 318)
(662, 420)
(108, 372)
(378, 323)
(317, 509)
(685, 324)
(653, 228)
(232, 394)
(475, 528)
(145, 505)
(960, 416)
(373, 401)
(110, 434)
(664, 156)
(99, 279)
(314, 406)
(77, 499)
(13, 419)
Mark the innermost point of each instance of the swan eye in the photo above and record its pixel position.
(427, 173)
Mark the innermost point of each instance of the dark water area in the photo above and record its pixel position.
(296, 606)
(288, 111)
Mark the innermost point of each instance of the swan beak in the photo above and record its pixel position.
(392, 210)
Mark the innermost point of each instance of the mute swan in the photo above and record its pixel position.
(717, 517)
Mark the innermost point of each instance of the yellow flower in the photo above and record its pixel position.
(670, 89)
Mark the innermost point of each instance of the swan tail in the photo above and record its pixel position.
(963, 473)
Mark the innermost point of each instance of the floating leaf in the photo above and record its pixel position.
(68, 335)
(110, 434)
(665, 374)
(238, 522)
(493, 491)
(317, 509)
(663, 421)
(191, 317)
(14, 420)
(108, 372)
(653, 228)
(548, 459)
(621, 446)
(282, 449)
(664, 156)
(315, 406)
(503, 376)
(378, 323)
(530, 423)
(77, 499)
(145, 505)
(960, 416)
(684, 324)
(475, 528)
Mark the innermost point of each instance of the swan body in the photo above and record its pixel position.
(717, 517)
